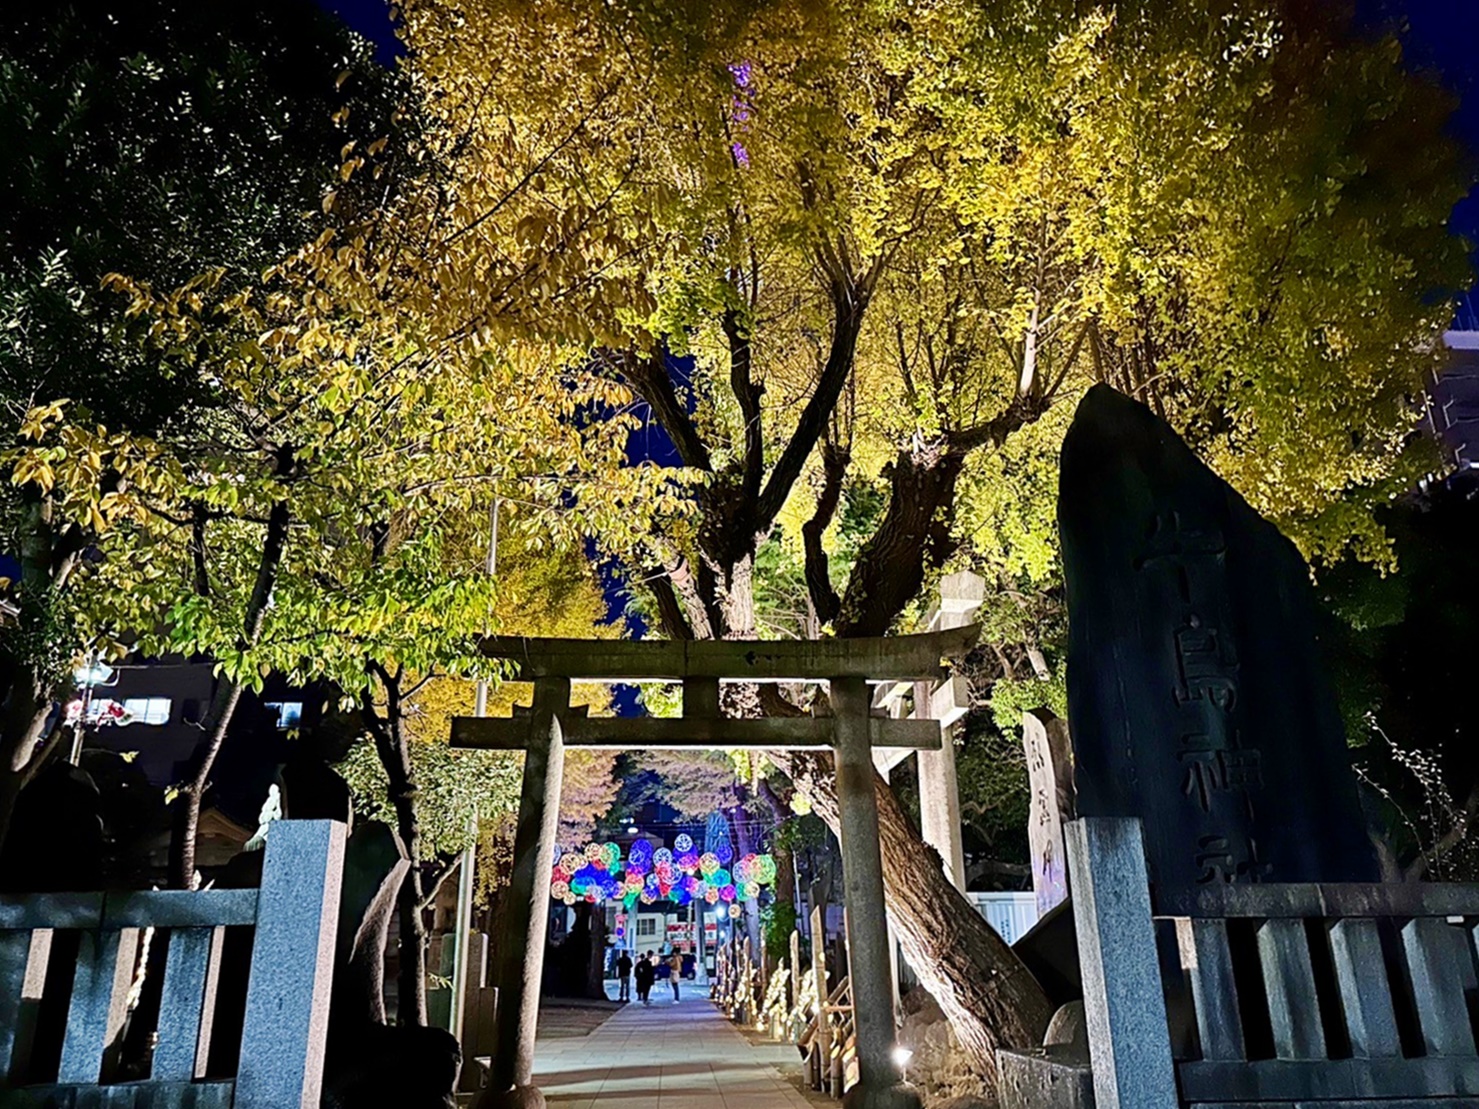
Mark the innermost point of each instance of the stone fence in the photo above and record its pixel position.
(293, 916)
(1267, 995)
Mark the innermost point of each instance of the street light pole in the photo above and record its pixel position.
(462, 935)
(480, 706)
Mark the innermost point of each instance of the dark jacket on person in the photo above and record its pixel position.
(643, 973)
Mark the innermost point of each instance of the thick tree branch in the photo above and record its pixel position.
(649, 376)
(915, 536)
(824, 599)
(994, 432)
(45, 749)
(850, 303)
(747, 394)
(70, 544)
(198, 520)
(669, 608)
(439, 879)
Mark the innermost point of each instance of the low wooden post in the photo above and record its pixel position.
(795, 997)
(762, 985)
(819, 956)
(287, 1005)
(747, 985)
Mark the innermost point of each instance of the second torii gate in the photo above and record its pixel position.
(851, 732)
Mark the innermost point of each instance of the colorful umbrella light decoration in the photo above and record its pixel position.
(597, 873)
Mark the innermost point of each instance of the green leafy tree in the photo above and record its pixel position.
(1396, 641)
(160, 139)
(360, 397)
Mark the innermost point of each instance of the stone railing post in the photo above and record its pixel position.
(1124, 1006)
(287, 1006)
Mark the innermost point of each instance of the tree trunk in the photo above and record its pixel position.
(784, 889)
(46, 563)
(392, 746)
(25, 722)
(10, 791)
(182, 875)
(988, 995)
(411, 944)
(228, 694)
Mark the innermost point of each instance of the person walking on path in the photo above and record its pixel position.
(675, 972)
(624, 976)
(659, 966)
(644, 975)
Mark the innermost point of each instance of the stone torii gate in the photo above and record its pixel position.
(851, 732)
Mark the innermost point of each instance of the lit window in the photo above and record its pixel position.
(147, 710)
(289, 713)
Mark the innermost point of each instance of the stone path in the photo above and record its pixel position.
(683, 1056)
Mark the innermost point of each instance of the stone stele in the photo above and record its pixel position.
(1049, 755)
(1196, 696)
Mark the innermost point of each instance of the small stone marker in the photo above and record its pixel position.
(1050, 783)
(1197, 701)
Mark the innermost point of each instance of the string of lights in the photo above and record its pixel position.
(597, 872)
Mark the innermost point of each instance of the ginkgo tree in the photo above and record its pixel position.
(889, 245)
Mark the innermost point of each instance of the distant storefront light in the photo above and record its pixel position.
(96, 673)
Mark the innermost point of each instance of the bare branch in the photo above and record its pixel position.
(1448, 841)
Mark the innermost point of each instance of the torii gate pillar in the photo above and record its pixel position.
(870, 961)
(521, 947)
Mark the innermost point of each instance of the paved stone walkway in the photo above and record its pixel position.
(683, 1056)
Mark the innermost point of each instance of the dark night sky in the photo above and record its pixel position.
(1442, 36)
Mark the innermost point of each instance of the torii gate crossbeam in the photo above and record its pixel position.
(852, 732)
